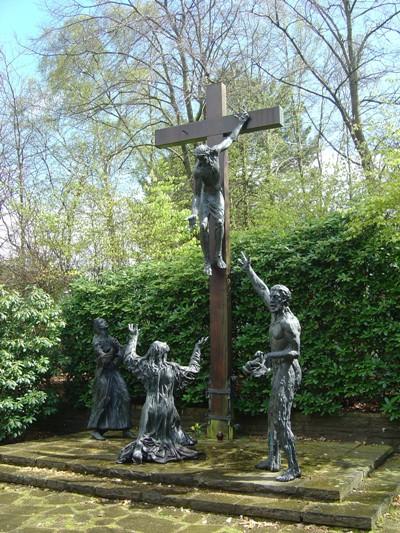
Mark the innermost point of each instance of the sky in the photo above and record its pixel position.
(20, 19)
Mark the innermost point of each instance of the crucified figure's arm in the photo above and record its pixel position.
(223, 145)
(259, 286)
(208, 154)
(197, 186)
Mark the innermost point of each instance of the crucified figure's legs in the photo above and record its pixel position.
(219, 236)
(205, 245)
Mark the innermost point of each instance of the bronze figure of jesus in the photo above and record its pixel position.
(208, 198)
(215, 128)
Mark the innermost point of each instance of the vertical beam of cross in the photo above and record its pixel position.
(214, 128)
(220, 408)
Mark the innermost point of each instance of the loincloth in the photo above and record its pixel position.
(212, 204)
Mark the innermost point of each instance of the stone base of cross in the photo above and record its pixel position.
(220, 419)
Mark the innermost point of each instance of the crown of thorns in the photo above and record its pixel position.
(201, 149)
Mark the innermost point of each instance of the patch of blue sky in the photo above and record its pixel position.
(21, 20)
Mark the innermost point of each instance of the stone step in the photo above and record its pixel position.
(360, 510)
(330, 470)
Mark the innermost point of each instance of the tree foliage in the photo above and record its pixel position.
(347, 58)
(80, 175)
(30, 326)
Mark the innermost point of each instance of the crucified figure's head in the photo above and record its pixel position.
(203, 152)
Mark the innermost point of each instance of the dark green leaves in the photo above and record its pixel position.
(346, 294)
(29, 342)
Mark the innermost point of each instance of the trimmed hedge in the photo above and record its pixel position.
(346, 289)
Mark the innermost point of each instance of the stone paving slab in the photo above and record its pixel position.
(32, 510)
(360, 510)
(331, 470)
(364, 505)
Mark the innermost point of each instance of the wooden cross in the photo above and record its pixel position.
(213, 129)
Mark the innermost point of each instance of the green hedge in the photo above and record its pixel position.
(346, 289)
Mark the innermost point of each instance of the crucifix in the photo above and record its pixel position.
(214, 129)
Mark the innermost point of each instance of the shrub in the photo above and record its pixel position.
(29, 341)
(345, 286)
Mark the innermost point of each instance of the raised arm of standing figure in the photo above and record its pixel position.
(186, 374)
(131, 358)
(225, 144)
(259, 286)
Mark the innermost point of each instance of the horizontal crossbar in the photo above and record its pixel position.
(262, 119)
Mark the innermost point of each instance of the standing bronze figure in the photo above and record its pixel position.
(161, 438)
(282, 360)
(111, 407)
(208, 199)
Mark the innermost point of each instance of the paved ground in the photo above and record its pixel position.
(327, 467)
(26, 510)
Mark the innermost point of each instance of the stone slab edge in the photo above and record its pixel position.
(364, 472)
(193, 480)
(364, 519)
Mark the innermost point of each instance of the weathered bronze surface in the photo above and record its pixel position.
(213, 129)
(161, 438)
(208, 201)
(111, 407)
(282, 361)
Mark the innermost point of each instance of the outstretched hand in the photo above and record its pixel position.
(133, 330)
(243, 117)
(201, 342)
(244, 262)
(192, 221)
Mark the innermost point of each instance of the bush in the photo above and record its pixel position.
(29, 341)
(346, 289)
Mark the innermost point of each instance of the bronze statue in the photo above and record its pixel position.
(208, 199)
(111, 407)
(283, 362)
(161, 438)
